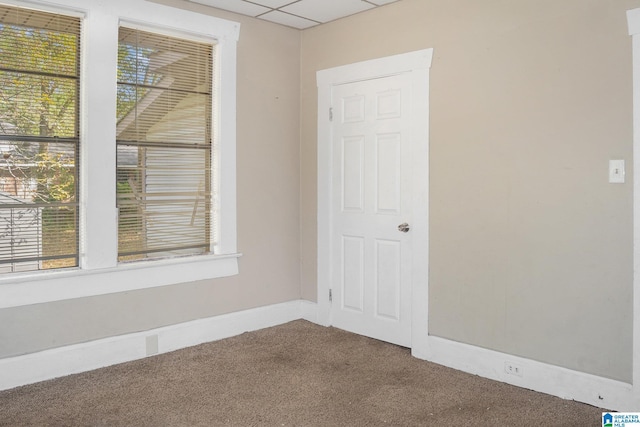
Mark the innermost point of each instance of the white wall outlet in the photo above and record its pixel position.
(616, 171)
(513, 369)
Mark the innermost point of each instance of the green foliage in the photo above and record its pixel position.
(39, 97)
(123, 188)
(55, 177)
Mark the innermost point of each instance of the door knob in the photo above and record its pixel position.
(404, 227)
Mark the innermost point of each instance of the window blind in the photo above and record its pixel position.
(164, 145)
(39, 139)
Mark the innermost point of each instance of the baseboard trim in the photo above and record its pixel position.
(58, 362)
(309, 311)
(542, 377)
(533, 375)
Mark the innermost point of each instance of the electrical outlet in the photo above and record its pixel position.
(513, 369)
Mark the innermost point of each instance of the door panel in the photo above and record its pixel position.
(388, 279)
(388, 174)
(371, 196)
(353, 273)
(353, 174)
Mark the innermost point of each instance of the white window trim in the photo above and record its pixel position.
(99, 272)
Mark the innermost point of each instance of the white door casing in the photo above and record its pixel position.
(413, 70)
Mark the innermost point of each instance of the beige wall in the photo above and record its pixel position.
(531, 247)
(268, 212)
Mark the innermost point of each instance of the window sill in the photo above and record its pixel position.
(41, 287)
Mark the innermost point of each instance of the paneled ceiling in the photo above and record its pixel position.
(299, 14)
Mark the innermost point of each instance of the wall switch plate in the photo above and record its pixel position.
(616, 171)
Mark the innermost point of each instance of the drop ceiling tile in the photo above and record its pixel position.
(238, 6)
(381, 2)
(326, 10)
(288, 20)
(273, 3)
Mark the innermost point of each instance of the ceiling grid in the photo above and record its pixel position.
(299, 14)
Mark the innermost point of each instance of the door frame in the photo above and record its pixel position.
(417, 65)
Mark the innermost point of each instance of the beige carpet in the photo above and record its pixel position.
(297, 374)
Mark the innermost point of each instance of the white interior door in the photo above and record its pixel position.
(371, 249)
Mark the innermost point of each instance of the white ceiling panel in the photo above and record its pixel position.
(274, 4)
(288, 20)
(299, 14)
(238, 6)
(326, 10)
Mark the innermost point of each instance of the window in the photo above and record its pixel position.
(164, 141)
(118, 147)
(39, 139)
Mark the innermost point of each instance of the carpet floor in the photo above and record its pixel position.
(296, 374)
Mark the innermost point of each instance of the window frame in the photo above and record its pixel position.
(99, 272)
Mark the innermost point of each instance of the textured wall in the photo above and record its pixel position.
(531, 247)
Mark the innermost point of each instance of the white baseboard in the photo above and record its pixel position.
(554, 380)
(309, 311)
(58, 362)
(533, 375)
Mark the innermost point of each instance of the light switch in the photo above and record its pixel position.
(616, 171)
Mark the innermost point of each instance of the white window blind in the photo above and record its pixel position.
(164, 145)
(39, 139)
